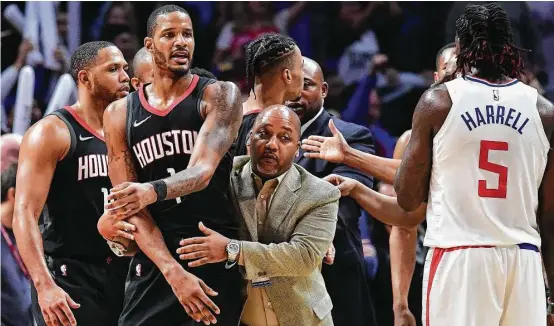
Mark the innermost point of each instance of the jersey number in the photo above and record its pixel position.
(105, 193)
(502, 171)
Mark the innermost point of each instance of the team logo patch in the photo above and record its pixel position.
(63, 269)
(138, 269)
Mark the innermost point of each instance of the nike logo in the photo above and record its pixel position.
(81, 138)
(136, 124)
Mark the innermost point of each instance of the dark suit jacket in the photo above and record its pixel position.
(346, 279)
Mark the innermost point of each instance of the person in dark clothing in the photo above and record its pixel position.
(16, 290)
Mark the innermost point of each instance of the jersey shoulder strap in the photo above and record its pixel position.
(66, 117)
(203, 82)
(132, 101)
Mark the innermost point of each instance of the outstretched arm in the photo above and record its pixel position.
(336, 150)
(412, 179)
(222, 110)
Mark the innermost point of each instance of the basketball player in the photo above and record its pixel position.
(142, 68)
(481, 153)
(179, 125)
(63, 163)
(274, 74)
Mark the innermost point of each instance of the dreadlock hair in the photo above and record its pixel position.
(267, 52)
(486, 43)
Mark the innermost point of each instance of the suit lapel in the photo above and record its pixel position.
(316, 128)
(281, 204)
(245, 193)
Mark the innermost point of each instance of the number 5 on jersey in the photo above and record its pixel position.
(502, 171)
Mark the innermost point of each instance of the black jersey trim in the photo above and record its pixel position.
(163, 113)
(129, 120)
(83, 123)
(200, 95)
(73, 138)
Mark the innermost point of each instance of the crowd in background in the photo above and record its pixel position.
(378, 58)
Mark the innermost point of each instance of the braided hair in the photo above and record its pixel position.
(267, 52)
(486, 43)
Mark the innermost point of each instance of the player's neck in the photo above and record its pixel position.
(91, 110)
(167, 87)
(266, 96)
(7, 217)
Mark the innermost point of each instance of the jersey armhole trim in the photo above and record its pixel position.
(72, 135)
(449, 116)
(201, 95)
(540, 126)
(129, 119)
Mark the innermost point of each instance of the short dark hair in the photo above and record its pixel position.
(202, 73)
(439, 53)
(152, 22)
(266, 52)
(486, 43)
(8, 179)
(85, 55)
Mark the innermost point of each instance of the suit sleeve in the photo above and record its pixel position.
(361, 139)
(303, 253)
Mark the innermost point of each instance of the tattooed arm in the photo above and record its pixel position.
(412, 179)
(222, 110)
(190, 290)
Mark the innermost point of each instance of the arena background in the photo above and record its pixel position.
(392, 42)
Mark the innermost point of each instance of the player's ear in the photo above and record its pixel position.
(324, 90)
(135, 82)
(287, 76)
(10, 195)
(148, 41)
(83, 77)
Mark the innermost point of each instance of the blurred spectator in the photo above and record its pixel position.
(9, 75)
(16, 290)
(122, 36)
(543, 16)
(114, 13)
(9, 149)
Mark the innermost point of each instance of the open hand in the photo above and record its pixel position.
(332, 149)
(55, 305)
(204, 250)
(128, 198)
(344, 184)
(193, 294)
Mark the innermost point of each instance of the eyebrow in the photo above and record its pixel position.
(287, 129)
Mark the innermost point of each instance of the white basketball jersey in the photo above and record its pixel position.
(489, 158)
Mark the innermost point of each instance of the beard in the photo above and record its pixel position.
(103, 94)
(161, 62)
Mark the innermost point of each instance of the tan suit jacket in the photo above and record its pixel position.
(300, 227)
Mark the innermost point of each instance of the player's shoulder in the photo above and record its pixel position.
(49, 132)
(117, 107)
(546, 112)
(221, 90)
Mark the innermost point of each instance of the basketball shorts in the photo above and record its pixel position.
(150, 301)
(484, 285)
(98, 287)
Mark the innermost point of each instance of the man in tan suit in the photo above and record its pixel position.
(289, 220)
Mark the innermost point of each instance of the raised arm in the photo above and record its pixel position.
(147, 235)
(412, 179)
(222, 110)
(337, 150)
(34, 176)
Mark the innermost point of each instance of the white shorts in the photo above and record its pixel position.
(484, 286)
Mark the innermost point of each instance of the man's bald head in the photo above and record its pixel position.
(313, 94)
(274, 141)
(9, 149)
(445, 55)
(142, 68)
(279, 111)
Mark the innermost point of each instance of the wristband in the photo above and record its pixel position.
(160, 187)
